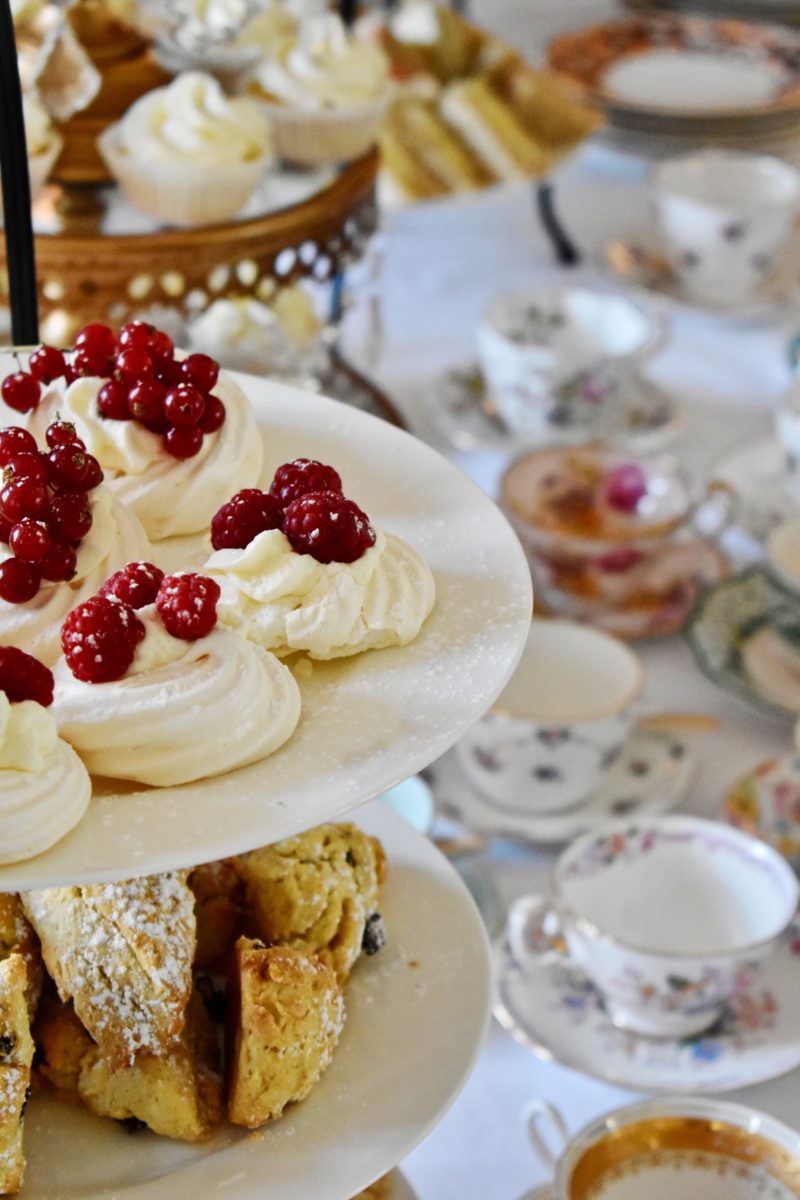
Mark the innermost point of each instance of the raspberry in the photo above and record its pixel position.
(135, 585)
(246, 514)
(329, 527)
(625, 486)
(303, 475)
(23, 677)
(187, 605)
(99, 639)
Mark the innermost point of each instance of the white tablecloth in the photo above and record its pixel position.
(443, 264)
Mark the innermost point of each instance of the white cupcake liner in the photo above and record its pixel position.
(320, 137)
(182, 193)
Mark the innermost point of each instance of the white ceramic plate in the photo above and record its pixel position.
(392, 1077)
(369, 721)
(557, 1013)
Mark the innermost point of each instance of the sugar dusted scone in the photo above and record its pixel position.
(302, 569)
(152, 689)
(16, 1056)
(17, 937)
(172, 476)
(285, 1015)
(319, 892)
(44, 787)
(122, 953)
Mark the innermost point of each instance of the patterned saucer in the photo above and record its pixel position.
(745, 636)
(558, 1014)
(652, 774)
(643, 420)
(758, 478)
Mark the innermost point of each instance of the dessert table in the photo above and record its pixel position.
(443, 264)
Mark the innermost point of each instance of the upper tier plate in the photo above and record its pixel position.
(367, 722)
(392, 1077)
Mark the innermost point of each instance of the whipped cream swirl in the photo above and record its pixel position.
(287, 601)
(44, 787)
(325, 67)
(184, 710)
(193, 121)
(169, 496)
(116, 538)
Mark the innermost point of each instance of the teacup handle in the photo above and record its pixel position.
(534, 932)
(534, 1115)
(721, 503)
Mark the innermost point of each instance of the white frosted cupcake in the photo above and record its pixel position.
(188, 154)
(164, 696)
(325, 92)
(43, 141)
(44, 787)
(246, 335)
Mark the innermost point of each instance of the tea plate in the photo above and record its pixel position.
(652, 774)
(461, 415)
(745, 636)
(759, 482)
(558, 1014)
(641, 267)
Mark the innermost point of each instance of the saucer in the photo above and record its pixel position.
(558, 1014)
(766, 803)
(745, 636)
(643, 268)
(462, 415)
(652, 774)
(759, 481)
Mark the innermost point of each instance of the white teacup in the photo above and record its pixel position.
(723, 218)
(668, 916)
(560, 723)
(530, 344)
(686, 1148)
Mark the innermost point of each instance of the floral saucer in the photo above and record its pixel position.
(652, 774)
(558, 1014)
(642, 269)
(636, 414)
(758, 479)
(745, 636)
(766, 803)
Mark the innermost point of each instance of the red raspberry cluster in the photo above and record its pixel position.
(145, 382)
(99, 638)
(45, 507)
(305, 501)
(23, 677)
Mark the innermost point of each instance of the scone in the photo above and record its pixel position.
(285, 1015)
(61, 1045)
(219, 908)
(122, 953)
(319, 892)
(16, 1056)
(17, 937)
(150, 688)
(301, 569)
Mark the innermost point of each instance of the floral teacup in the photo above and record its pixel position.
(723, 218)
(560, 723)
(667, 916)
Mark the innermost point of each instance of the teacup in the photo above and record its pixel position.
(723, 218)
(548, 350)
(615, 540)
(560, 723)
(686, 1148)
(668, 916)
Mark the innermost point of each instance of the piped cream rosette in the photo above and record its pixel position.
(44, 787)
(170, 496)
(287, 602)
(183, 711)
(116, 538)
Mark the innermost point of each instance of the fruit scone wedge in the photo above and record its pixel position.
(62, 532)
(152, 689)
(16, 1056)
(301, 568)
(172, 434)
(44, 786)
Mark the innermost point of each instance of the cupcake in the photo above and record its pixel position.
(163, 695)
(301, 569)
(281, 338)
(218, 36)
(188, 154)
(44, 787)
(43, 143)
(325, 92)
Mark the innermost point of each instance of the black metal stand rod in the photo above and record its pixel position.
(20, 255)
